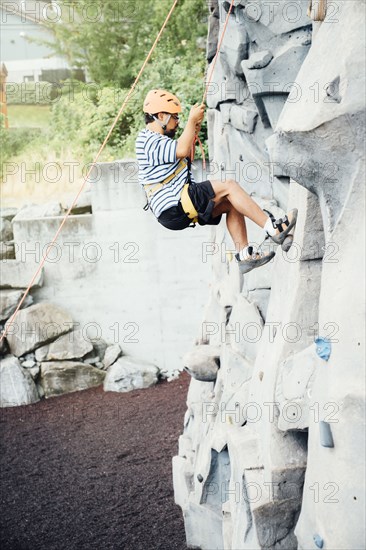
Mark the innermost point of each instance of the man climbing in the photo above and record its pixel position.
(179, 202)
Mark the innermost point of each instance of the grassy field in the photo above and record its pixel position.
(29, 116)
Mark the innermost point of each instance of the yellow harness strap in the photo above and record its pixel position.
(149, 192)
(187, 204)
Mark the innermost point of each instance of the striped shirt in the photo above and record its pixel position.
(157, 159)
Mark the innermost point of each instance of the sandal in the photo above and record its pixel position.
(282, 232)
(256, 259)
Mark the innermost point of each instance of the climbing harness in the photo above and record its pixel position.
(151, 188)
(187, 205)
(185, 199)
(51, 244)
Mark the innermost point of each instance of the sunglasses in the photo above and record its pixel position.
(176, 117)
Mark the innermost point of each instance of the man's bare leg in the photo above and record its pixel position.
(231, 191)
(235, 222)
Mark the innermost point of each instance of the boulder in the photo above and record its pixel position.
(203, 362)
(99, 349)
(16, 384)
(111, 355)
(59, 377)
(37, 325)
(72, 345)
(28, 364)
(9, 300)
(34, 372)
(128, 374)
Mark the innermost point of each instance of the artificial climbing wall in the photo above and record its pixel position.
(272, 454)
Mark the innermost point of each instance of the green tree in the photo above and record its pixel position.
(110, 38)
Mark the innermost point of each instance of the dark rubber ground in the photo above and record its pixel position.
(92, 470)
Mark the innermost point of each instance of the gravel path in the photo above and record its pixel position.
(92, 470)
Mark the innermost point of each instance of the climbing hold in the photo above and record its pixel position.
(200, 478)
(318, 541)
(323, 348)
(326, 438)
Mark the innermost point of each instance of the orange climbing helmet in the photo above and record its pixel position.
(161, 101)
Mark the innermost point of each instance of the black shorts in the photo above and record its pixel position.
(201, 195)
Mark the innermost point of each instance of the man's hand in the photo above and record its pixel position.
(192, 128)
(197, 113)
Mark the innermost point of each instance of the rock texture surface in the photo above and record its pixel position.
(128, 373)
(37, 325)
(16, 384)
(282, 419)
(68, 376)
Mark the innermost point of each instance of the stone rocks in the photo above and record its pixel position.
(28, 364)
(16, 384)
(72, 345)
(128, 374)
(37, 325)
(98, 352)
(62, 377)
(112, 353)
(203, 362)
(9, 300)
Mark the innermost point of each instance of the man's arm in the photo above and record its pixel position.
(185, 141)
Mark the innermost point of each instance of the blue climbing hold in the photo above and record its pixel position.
(325, 432)
(323, 348)
(318, 541)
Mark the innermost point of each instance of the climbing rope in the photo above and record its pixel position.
(217, 51)
(51, 244)
(208, 83)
